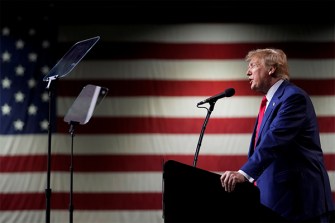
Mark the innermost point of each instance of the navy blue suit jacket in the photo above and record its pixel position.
(287, 162)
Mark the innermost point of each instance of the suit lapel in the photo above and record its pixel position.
(272, 104)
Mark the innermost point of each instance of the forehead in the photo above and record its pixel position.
(256, 60)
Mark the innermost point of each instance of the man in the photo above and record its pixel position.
(285, 158)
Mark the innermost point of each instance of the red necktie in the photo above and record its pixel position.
(260, 116)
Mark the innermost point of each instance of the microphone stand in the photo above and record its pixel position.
(72, 125)
(209, 112)
(50, 87)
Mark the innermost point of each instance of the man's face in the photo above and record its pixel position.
(259, 77)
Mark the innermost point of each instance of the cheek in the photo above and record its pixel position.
(256, 78)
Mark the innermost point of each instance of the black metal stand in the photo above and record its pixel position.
(72, 126)
(80, 113)
(64, 66)
(209, 111)
(50, 89)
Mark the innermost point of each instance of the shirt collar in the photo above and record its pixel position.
(273, 90)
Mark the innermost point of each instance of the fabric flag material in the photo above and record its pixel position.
(155, 75)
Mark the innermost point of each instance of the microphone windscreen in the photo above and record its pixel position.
(230, 92)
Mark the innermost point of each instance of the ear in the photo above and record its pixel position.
(272, 70)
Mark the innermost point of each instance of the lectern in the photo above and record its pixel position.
(195, 195)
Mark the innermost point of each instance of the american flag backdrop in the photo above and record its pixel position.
(156, 74)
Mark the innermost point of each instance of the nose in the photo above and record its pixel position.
(248, 72)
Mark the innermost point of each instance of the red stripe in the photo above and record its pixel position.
(107, 163)
(126, 163)
(326, 124)
(317, 87)
(83, 201)
(117, 88)
(134, 125)
(187, 51)
(329, 160)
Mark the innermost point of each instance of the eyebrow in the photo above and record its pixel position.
(252, 64)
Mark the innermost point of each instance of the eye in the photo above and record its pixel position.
(252, 65)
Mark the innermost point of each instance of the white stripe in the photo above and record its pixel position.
(138, 182)
(153, 144)
(195, 33)
(327, 142)
(117, 216)
(177, 107)
(185, 107)
(324, 105)
(82, 182)
(192, 69)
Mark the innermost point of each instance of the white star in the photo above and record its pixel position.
(45, 44)
(45, 69)
(44, 124)
(19, 44)
(32, 32)
(32, 57)
(31, 83)
(6, 56)
(6, 83)
(19, 96)
(32, 109)
(18, 125)
(6, 109)
(19, 70)
(5, 31)
(45, 97)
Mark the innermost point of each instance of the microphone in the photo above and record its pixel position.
(227, 93)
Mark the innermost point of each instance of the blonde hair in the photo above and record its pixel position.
(272, 57)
